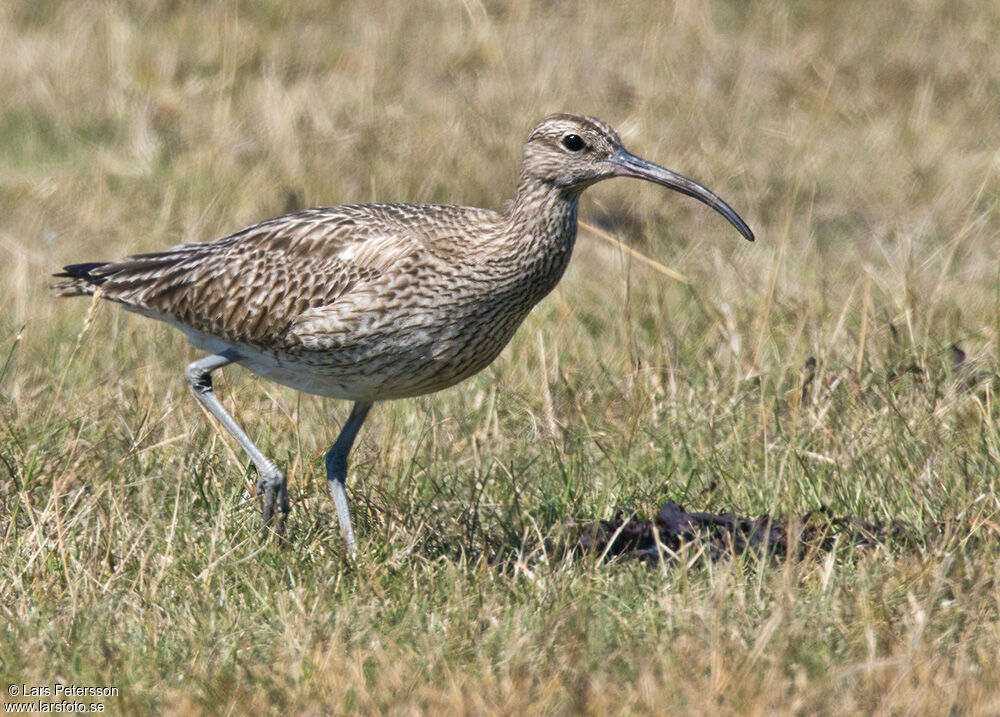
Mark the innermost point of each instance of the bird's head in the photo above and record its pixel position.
(571, 152)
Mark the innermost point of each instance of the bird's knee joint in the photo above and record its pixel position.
(199, 378)
(336, 467)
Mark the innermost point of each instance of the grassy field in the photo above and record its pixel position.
(859, 140)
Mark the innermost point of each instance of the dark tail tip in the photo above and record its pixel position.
(83, 271)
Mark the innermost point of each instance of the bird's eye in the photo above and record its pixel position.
(572, 142)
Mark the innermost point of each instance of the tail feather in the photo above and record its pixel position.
(122, 280)
(80, 279)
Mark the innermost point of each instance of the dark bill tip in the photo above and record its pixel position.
(628, 165)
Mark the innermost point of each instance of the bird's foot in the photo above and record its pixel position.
(273, 487)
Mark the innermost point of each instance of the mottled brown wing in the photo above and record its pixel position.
(249, 287)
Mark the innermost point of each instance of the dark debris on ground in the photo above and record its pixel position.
(725, 534)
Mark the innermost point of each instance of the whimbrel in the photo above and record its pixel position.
(371, 302)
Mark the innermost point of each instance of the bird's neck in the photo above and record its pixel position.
(541, 228)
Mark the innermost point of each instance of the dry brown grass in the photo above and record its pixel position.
(857, 139)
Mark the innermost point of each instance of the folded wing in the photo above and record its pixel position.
(251, 286)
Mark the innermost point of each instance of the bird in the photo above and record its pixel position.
(374, 302)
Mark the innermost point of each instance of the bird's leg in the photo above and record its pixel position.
(336, 469)
(272, 482)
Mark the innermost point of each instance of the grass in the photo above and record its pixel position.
(857, 140)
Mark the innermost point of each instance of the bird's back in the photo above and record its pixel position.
(251, 287)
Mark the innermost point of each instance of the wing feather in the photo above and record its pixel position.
(251, 286)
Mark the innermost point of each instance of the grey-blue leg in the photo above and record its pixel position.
(336, 469)
(272, 482)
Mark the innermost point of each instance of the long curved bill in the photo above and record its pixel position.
(627, 164)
